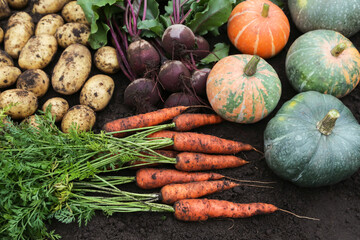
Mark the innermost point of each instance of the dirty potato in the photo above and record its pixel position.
(70, 33)
(38, 52)
(8, 76)
(80, 116)
(5, 59)
(97, 92)
(49, 24)
(17, 4)
(72, 12)
(106, 60)
(72, 69)
(48, 6)
(4, 9)
(20, 28)
(59, 107)
(24, 103)
(32, 121)
(34, 80)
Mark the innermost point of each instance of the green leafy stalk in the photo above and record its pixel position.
(46, 174)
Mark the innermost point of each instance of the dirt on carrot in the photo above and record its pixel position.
(190, 161)
(174, 192)
(148, 178)
(189, 121)
(143, 120)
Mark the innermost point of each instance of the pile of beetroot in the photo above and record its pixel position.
(164, 71)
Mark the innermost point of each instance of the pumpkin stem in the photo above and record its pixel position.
(265, 10)
(338, 49)
(250, 68)
(326, 125)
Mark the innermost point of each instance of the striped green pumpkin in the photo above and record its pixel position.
(313, 140)
(339, 15)
(323, 61)
(243, 91)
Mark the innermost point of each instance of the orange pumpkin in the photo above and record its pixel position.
(258, 27)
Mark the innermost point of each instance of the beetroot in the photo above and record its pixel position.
(143, 57)
(198, 81)
(177, 38)
(181, 99)
(202, 47)
(174, 75)
(143, 94)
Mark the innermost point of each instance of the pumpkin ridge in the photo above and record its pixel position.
(242, 31)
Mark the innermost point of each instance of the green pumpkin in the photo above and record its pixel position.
(339, 15)
(323, 61)
(313, 140)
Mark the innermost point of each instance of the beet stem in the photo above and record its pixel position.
(124, 64)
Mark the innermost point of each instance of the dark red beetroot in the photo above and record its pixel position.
(198, 81)
(177, 38)
(174, 75)
(181, 99)
(143, 94)
(143, 57)
(202, 47)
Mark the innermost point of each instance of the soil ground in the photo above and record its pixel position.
(337, 206)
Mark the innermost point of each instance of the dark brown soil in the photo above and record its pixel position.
(337, 206)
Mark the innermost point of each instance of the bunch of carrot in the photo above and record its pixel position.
(190, 152)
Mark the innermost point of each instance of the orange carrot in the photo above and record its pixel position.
(202, 209)
(204, 143)
(188, 121)
(197, 142)
(162, 134)
(143, 120)
(189, 161)
(174, 192)
(148, 178)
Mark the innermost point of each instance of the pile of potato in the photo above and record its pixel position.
(29, 47)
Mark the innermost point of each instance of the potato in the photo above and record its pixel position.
(8, 76)
(106, 60)
(59, 107)
(4, 9)
(34, 80)
(31, 120)
(72, 12)
(48, 6)
(38, 52)
(72, 69)
(24, 103)
(5, 59)
(17, 4)
(97, 92)
(70, 33)
(1, 35)
(49, 24)
(19, 30)
(81, 116)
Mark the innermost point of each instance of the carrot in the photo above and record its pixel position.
(188, 121)
(198, 142)
(143, 120)
(148, 178)
(204, 143)
(162, 134)
(174, 192)
(189, 161)
(202, 209)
